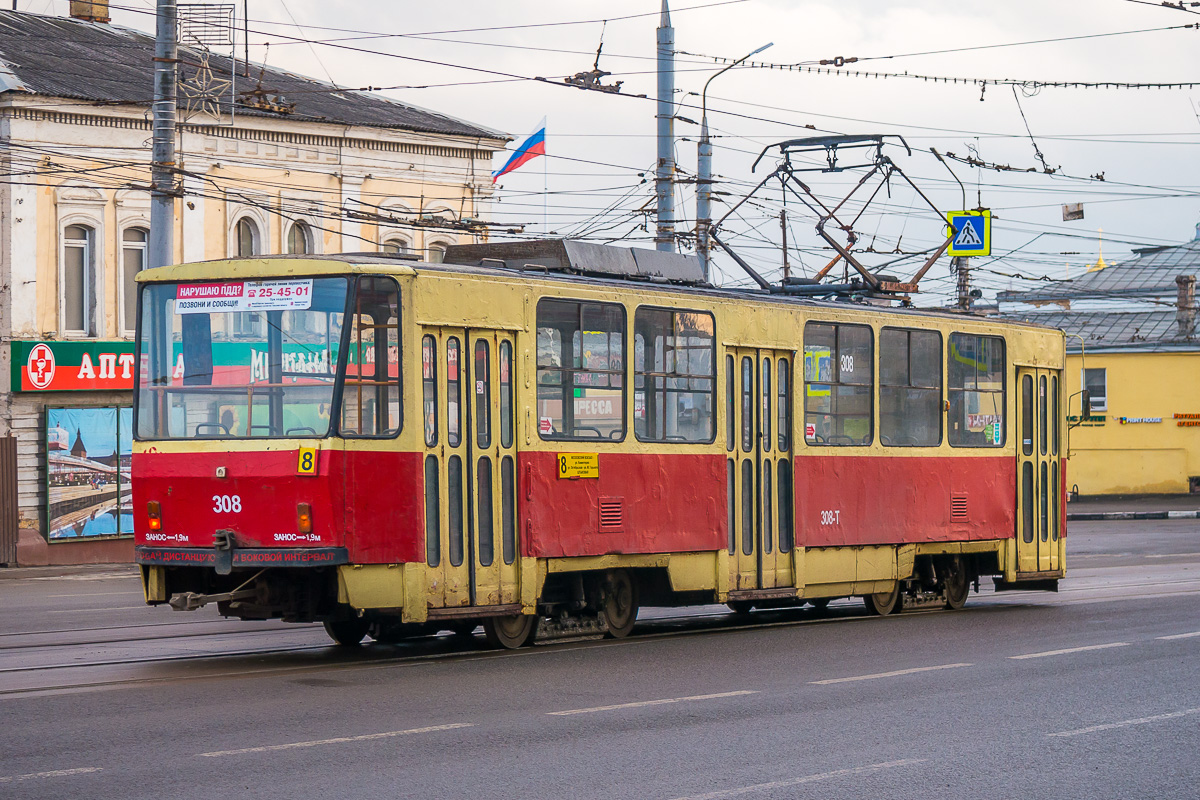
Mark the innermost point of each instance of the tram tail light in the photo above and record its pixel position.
(154, 515)
(304, 517)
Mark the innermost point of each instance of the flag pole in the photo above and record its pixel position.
(545, 192)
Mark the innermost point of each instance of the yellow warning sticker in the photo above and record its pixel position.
(578, 465)
(306, 463)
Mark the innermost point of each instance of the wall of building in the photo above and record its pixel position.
(1140, 446)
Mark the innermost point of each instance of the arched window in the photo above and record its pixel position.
(394, 245)
(247, 238)
(133, 261)
(435, 252)
(299, 239)
(78, 292)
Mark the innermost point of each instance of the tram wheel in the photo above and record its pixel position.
(884, 603)
(510, 632)
(347, 632)
(620, 604)
(956, 584)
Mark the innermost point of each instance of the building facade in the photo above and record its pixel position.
(286, 165)
(1132, 342)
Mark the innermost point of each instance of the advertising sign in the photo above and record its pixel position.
(72, 366)
(88, 452)
(205, 298)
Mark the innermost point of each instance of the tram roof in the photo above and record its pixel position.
(296, 266)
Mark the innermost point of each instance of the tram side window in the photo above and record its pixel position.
(976, 390)
(910, 388)
(673, 356)
(371, 390)
(580, 370)
(838, 384)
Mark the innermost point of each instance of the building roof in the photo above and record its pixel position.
(1150, 272)
(103, 63)
(1115, 330)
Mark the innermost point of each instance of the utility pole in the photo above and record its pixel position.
(161, 247)
(664, 173)
(964, 282)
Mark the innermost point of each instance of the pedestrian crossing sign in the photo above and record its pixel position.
(972, 233)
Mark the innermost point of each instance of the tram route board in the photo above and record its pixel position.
(578, 465)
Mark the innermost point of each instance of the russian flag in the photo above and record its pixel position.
(530, 149)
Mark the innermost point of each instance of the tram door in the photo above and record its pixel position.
(468, 403)
(759, 467)
(1038, 470)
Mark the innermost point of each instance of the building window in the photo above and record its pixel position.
(79, 280)
(248, 243)
(975, 390)
(1095, 381)
(133, 261)
(910, 388)
(395, 245)
(838, 384)
(580, 370)
(299, 239)
(436, 252)
(673, 357)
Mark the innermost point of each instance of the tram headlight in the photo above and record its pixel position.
(154, 515)
(304, 517)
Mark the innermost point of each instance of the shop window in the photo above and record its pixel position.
(580, 370)
(88, 454)
(674, 354)
(910, 388)
(78, 280)
(133, 261)
(975, 390)
(838, 384)
(1096, 383)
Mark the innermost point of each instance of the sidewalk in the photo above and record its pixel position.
(1142, 506)
(83, 572)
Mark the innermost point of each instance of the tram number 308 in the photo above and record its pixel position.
(227, 503)
(830, 517)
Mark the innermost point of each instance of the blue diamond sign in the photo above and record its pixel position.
(972, 233)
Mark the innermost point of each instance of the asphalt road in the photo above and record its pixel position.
(1088, 693)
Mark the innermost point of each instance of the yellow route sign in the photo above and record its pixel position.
(306, 461)
(578, 465)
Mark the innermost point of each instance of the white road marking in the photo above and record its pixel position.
(893, 674)
(56, 773)
(96, 608)
(1125, 723)
(339, 740)
(821, 776)
(649, 703)
(1067, 650)
(1180, 636)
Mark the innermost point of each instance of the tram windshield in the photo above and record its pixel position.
(239, 359)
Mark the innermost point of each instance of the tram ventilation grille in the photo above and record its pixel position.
(958, 508)
(612, 513)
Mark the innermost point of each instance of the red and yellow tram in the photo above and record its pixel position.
(542, 437)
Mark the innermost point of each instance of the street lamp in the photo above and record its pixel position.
(704, 168)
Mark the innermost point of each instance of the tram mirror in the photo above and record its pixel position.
(197, 350)
(1087, 405)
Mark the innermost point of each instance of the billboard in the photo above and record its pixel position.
(88, 452)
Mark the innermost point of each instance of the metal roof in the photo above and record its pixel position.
(1150, 272)
(1140, 330)
(103, 63)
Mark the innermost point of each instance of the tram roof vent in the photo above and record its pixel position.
(585, 258)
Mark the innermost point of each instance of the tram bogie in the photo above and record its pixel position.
(394, 448)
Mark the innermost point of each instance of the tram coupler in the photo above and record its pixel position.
(223, 543)
(193, 601)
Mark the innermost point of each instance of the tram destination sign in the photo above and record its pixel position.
(89, 366)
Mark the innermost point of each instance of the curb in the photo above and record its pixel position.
(1095, 515)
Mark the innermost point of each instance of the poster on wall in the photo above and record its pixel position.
(88, 452)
